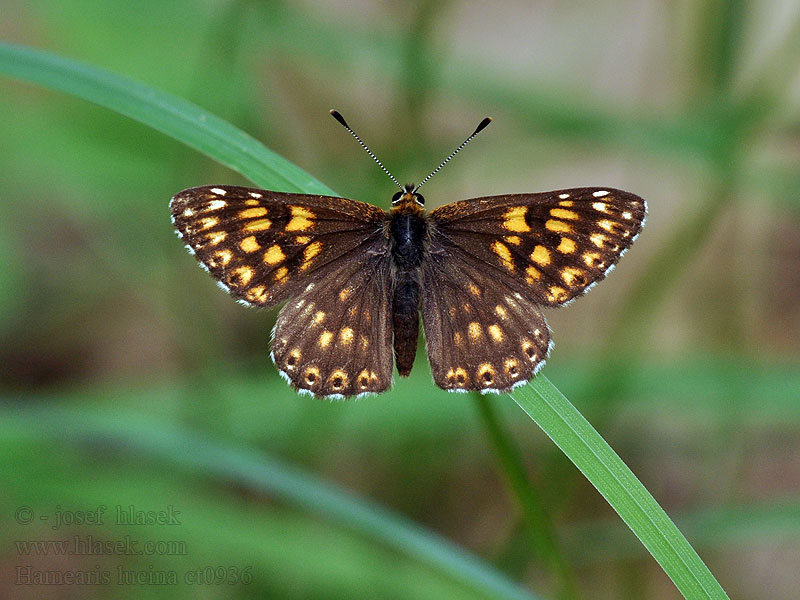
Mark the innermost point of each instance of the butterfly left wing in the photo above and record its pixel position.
(264, 247)
(493, 261)
(328, 255)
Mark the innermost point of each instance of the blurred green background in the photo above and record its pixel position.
(126, 374)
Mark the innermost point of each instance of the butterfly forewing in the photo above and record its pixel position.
(549, 247)
(264, 247)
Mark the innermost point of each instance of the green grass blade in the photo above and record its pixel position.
(573, 434)
(262, 473)
(538, 523)
(182, 120)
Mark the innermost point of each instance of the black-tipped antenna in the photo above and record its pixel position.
(481, 126)
(337, 115)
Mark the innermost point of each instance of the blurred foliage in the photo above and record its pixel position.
(685, 360)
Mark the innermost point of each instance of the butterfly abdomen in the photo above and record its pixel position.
(408, 231)
(405, 317)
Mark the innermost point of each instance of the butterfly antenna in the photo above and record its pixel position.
(337, 115)
(481, 126)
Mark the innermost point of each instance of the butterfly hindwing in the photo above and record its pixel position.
(550, 247)
(481, 333)
(335, 339)
(264, 247)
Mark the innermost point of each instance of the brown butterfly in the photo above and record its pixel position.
(356, 276)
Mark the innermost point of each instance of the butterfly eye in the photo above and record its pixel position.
(397, 197)
(420, 199)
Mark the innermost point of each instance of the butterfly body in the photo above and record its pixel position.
(356, 278)
(408, 230)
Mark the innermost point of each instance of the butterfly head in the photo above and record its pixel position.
(408, 197)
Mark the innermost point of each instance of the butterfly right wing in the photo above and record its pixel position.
(482, 334)
(492, 262)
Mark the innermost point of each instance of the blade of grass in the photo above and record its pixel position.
(261, 473)
(573, 434)
(182, 120)
(537, 523)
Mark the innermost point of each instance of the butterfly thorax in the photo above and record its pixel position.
(408, 234)
(408, 230)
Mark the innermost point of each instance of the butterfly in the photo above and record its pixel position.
(355, 277)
